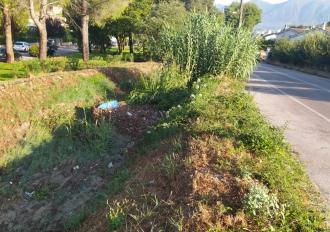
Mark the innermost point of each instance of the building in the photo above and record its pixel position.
(52, 12)
(289, 33)
(297, 33)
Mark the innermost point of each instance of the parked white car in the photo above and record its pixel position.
(22, 46)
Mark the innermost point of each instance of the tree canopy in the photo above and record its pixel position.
(55, 29)
(19, 17)
(251, 15)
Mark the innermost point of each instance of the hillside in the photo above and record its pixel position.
(292, 12)
(297, 12)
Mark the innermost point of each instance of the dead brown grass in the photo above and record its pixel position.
(199, 194)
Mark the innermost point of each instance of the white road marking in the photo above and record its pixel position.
(295, 100)
(297, 79)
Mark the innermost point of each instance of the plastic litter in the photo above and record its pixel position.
(29, 195)
(110, 165)
(109, 105)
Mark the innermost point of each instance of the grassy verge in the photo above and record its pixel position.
(9, 72)
(23, 69)
(214, 164)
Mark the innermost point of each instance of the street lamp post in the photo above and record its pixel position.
(240, 15)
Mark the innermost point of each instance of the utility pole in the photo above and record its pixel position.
(240, 22)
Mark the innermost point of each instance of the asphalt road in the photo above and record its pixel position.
(61, 51)
(300, 103)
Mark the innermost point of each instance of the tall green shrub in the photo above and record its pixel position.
(204, 45)
(313, 51)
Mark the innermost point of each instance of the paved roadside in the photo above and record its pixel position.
(301, 103)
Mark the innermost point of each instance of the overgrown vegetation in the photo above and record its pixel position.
(211, 164)
(162, 89)
(311, 52)
(220, 165)
(206, 46)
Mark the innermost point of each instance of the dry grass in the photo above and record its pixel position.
(197, 196)
(19, 102)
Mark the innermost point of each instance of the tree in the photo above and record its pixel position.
(162, 16)
(40, 22)
(7, 21)
(251, 15)
(10, 10)
(200, 5)
(99, 37)
(55, 28)
(19, 21)
(81, 12)
(120, 28)
(137, 11)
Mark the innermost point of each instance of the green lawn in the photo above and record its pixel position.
(9, 71)
(16, 70)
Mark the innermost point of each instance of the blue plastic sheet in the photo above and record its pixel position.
(109, 105)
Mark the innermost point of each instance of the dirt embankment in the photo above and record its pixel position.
(22, 95)
(59, 197)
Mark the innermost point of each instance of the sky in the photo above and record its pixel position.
(227, 2)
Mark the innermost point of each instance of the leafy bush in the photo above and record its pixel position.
(313, 51)
(34, 50)
(48, 65)
(55, 64)
(72, 64)
(92, 64)
(163, 89)
(264, 44)
(206, 46)
(260, 202)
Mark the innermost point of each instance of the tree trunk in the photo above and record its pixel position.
(10, 57)
(130, 41)
(119, 45)
(43, 43)
(84, 31)
(41, 25)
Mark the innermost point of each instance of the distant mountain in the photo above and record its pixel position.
(292, 12)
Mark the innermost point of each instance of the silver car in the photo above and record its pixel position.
(22, 46)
